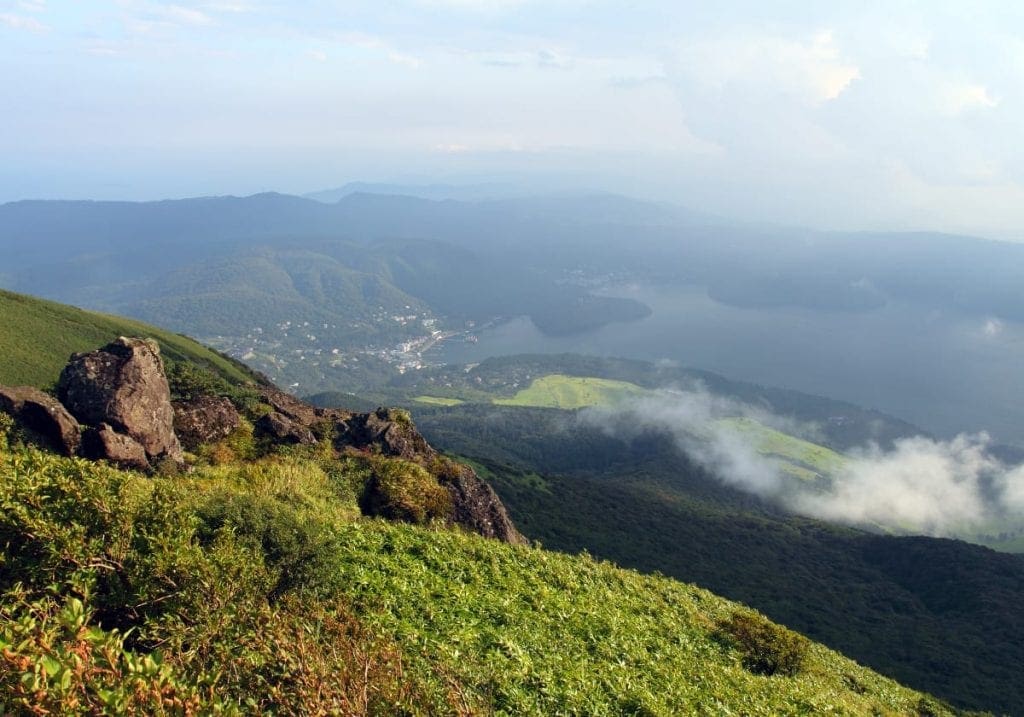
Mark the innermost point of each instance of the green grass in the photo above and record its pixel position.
(267, 593)
(800, 458)
(438, 401)
(570, 392)
(37, 337)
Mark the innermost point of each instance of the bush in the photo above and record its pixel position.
(402, 490)
(296, 549)
(188, 381)
(768, 649)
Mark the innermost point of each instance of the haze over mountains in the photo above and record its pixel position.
(846, 309)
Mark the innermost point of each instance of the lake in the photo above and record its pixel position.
(944, 372)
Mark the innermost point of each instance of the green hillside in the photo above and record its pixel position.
(38, 336)
(254, 588)
(940, 615)
(560, 391)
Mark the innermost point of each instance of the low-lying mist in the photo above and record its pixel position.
(919, 485)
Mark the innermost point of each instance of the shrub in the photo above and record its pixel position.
(299, 551)
(188, 380)
(767, 648)
(52, 661)
(402, 490)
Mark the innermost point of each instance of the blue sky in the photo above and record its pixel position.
(852, 115)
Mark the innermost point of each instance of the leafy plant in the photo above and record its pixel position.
(403, 490)
(767, 648)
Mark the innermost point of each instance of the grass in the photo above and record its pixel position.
(37, 337)
(800, 458)
(571, 392)
(268, 594)
(438, 401)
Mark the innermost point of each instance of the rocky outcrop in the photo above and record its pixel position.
(204, 419)
(390, 432)
(283, 429)
(124, 385)
(44, 416)
(107, 444)
(476, 506)
(390, 429)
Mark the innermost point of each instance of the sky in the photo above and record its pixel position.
(852, 115)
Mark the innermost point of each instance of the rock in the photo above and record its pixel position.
(390, 429)
(281, 428)
(106, 443)
(44, 416)
(287, 405)
(475, 505)
(204, 419)
(124, 385)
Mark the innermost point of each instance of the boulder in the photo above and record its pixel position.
(391, 430)
(43, 416)
(107, 444)
(281, 428)
(475, 505)
(204, 419)
(124, 385)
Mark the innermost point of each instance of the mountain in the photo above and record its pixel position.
(437, 192)
(255, 582)
(37, 336)
(289, 604)
(941, 615)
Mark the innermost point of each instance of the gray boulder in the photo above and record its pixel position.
(124, 385)
(283, 429)
(43, 416)
(204, 419)
(107, 444)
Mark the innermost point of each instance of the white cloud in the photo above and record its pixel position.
(957, 98)
(318, 55)
(185, 15)
(920, 485)
(812, 69)
(992, 328)
(373, 42)
(20, 22)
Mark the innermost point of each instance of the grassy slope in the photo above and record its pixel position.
(482, 627)
(37, 337)
(569, 392)
(947, 622)
(798, 458)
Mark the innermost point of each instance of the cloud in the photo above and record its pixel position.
(21, 22)
(992, 328)
(926, 486)
(811, 69)
(184, 15)
(372, 42)
(957, 98)
(318, 55)
(920, 485)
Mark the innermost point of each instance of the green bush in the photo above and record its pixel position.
(297, 550)
(402, 490)
(188, 381)
(767, 648)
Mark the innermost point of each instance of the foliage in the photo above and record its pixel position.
(37, 337)
(403, 490)
(54, 659)
(768, 649)
(558, 391)
(254, 587)
(941, 615)
(189, 380)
